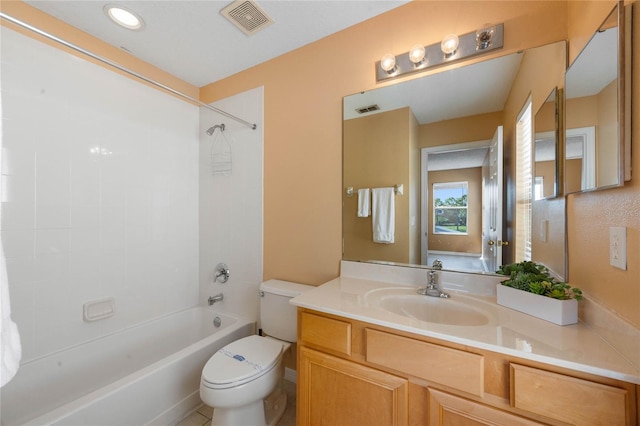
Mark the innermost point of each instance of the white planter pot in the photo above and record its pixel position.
(561, 312)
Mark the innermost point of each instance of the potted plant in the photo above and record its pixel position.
(531, 289)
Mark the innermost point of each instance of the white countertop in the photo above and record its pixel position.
(577, 347)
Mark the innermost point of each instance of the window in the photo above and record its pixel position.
(538, 188)
(450, 208)
(524, 183)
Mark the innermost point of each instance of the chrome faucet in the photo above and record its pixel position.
(217, 298)
(432, 288)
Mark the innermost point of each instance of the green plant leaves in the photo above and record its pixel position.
(535, 278)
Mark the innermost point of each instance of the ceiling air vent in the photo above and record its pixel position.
(247, 16)
(370, 108)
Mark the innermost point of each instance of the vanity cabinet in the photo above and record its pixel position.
(355, 373)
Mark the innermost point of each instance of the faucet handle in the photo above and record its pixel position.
(222, 272)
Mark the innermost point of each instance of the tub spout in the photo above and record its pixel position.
(217, 298)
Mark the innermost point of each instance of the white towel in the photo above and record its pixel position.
(364, 205)
(10, 348)
(383, 215)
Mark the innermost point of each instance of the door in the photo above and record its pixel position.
(337, 392)
(492, 215)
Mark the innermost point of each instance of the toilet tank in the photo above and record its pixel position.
(278, 318)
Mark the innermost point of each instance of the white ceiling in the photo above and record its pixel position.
(193, 41)
(475, 89)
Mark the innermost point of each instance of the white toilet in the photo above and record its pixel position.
(242, 380)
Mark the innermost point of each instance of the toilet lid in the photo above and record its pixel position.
(242, 361)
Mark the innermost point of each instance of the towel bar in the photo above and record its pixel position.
(398, 189)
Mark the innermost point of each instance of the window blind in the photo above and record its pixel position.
(524, 181)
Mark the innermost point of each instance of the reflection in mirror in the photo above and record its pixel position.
(545, 153)
(454, 176)
(594, 144)
(397, 134)
(548, 232)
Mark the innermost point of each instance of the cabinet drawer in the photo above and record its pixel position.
(565, 398)
(328, 333)
(450, 367)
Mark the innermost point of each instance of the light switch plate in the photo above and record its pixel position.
(618, 247)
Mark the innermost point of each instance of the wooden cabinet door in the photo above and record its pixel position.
(450, 410)
(334, 391)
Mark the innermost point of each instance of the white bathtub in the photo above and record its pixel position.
(146, 374)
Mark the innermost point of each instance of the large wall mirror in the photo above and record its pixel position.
(437, 141)
(598, 140)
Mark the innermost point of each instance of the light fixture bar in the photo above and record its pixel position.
(434, 56)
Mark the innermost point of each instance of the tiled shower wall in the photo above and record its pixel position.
(231, 206)
(99, 196)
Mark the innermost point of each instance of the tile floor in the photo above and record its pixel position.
(202, 416)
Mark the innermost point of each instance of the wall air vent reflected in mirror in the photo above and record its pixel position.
(367, 109)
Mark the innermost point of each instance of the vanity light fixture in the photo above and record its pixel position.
(124, 17)
(416, 55)
(388, 64)
(452, 48)
(484, 36)
(449, 45)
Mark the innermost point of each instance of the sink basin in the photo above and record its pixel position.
(458, 310)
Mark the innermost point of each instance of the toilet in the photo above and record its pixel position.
(242, 381)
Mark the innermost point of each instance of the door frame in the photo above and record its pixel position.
(424, 186)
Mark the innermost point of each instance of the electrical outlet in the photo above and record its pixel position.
(618, 247)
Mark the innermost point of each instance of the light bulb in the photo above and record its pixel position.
(449, 45)
(388, 63)
(124, 17)
(416, 55)
(484, 36)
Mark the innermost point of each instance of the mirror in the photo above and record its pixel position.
(548, 234)
(546, 150)
(409, 134)
(597, 147)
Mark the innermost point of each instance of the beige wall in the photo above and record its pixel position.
(381, 145)
(472, 242)
(466, 129)
(607, 134)
(591, 214)
(573, 175)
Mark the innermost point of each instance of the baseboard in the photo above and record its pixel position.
(290, 375)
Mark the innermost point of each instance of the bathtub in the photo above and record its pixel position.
(145, 374)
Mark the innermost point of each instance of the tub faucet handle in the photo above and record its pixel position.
(222, 272)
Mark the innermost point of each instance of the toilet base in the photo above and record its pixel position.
(251, 414)
(274, 406)
(265, 412)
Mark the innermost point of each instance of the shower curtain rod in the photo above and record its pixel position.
(123, 69)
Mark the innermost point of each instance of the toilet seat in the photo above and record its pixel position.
(241, 361)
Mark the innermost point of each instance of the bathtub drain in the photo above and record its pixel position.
(217, 321)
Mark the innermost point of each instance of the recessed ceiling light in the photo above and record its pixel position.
(124, 17)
